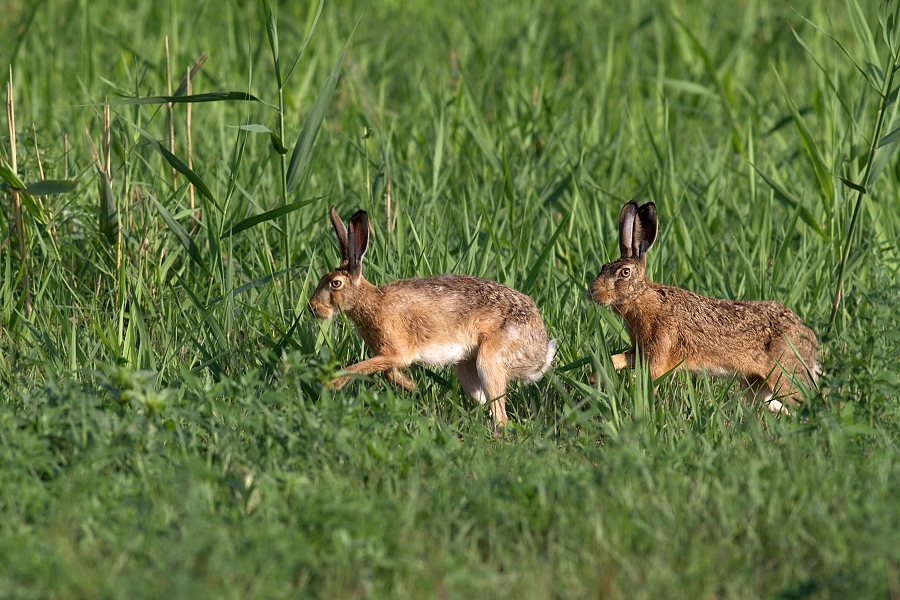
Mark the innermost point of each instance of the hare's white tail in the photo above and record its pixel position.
(551, 353)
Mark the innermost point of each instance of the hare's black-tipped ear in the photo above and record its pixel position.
(358, 242)
(645, 228)
(626, 228)
(341, 232)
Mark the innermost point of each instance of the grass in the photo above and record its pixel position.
(163, 426)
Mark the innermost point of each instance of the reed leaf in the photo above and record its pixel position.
(183, 236)
(303, 147)
(177, 164)
(268, 216)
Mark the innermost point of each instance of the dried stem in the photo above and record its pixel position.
(171, 108)
(190, 160)
(17, 200)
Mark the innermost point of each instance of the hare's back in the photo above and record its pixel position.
(738, 327)
(461, 295)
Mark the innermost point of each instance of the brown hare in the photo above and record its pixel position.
(763, 342)
(490, 334)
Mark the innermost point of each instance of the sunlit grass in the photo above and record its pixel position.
(164, 429)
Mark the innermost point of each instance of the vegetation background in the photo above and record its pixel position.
(164, 431)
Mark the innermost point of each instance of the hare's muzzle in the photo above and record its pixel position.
(318, 309)
(600, 291)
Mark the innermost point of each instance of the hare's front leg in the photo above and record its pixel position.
(621, 361)
(376, 364)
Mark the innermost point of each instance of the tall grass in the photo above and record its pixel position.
(164, 427)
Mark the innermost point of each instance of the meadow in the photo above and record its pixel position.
(165, 427)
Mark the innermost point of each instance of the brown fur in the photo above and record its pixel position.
(488, 332)
(677, 329)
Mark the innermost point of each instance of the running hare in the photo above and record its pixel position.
(490, 333)
(764, 342)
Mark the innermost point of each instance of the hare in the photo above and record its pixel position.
(490, 334)
(763, 342)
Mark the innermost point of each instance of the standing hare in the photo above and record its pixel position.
(490, 333)
(763, 342)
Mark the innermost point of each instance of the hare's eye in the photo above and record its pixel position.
(336, 284)
(626, 272)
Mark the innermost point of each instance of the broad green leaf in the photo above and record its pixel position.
(887, 148)
(303, 147)
(853, 186)
(786, 197)
(108, 218)
(12, 180)
(254, 127)
(183, 236)
(176, 163)
(9, 176)
(51, 186)
(268, 216)
(889, 138)
(888, 18)
(192, 99)
(277, 144)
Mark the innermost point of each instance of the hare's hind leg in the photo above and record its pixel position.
(467, 373)
(493, 376)
(471, 374)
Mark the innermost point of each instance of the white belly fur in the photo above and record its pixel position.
(440, 354)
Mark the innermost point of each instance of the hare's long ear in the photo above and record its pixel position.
(626, 228)
(341, 232)
(645, 228)
(359, 242)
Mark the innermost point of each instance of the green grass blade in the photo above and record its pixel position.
(177, 164)
(786, 197)
(864, 37)
(303, 147)
(823, 174)
(272, 33)
(862, 71)
(277, 144)
(214, 327)
(183, 236)
(268, 216)
(256, 283)
(305, 42)
(544, 255)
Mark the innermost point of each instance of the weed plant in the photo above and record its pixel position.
(164, 427)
